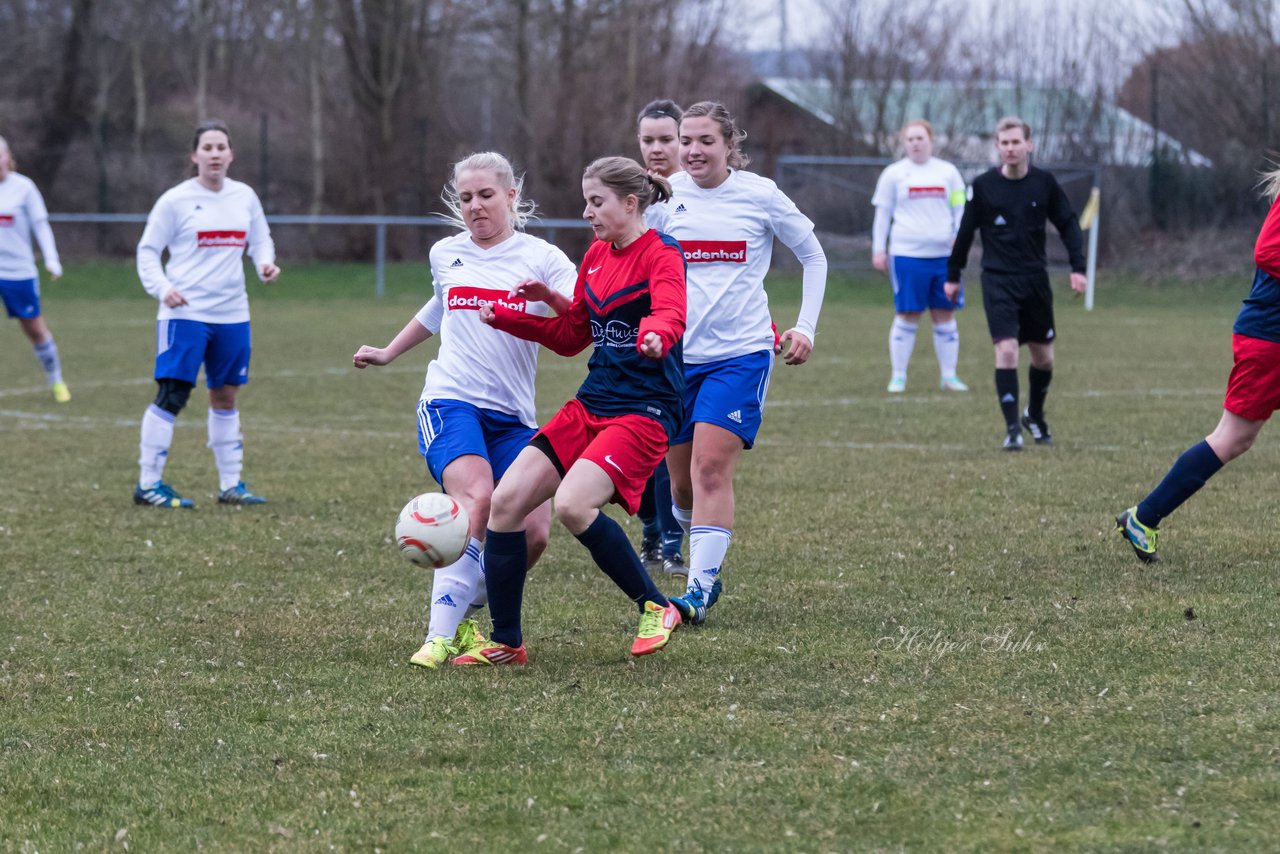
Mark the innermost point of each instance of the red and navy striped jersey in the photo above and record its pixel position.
(620, 297)
(1260, 317)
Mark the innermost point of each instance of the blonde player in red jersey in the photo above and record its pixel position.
(726, 220)
(206, 223)
(476, 412)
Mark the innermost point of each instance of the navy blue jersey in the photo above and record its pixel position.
(621, 295)
(1260, 317)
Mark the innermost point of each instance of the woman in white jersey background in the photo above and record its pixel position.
(23, 216)
(726, 219)
(662, 540)
(919, 201)
(476, 412)
(206, 223)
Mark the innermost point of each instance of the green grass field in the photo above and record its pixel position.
(926, 644)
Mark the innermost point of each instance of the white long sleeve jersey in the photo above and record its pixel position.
(22, 215)
(476, 363)
(727, 236)
(924, 202)
(207, 234)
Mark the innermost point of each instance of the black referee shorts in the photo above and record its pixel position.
(1019, 307)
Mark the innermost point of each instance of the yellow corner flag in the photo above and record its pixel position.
(1090, 212)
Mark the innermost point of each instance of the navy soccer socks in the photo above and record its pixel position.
(1196, 465)
(612, 552)
(506, 563)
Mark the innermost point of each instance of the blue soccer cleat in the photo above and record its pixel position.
(238, 494)
(161, 494)
(693, 605)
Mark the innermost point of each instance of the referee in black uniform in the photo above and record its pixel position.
(1011, 204)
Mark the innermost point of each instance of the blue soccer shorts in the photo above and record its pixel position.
(918, 283)
(729, 393)
(183, 345)
(448, 429)
(21, 297)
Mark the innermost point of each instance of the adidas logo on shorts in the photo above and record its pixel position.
(735, 416)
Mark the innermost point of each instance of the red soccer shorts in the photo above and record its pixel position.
(1253, 391)
(627, 447)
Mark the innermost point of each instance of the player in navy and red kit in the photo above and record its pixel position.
(1253, 393)
(601, 447)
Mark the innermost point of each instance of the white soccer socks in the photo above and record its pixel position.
(153, 449)
(227, 445)
(902, 340)
(47, 352)
(452, 589)
(707, 548)
(946, 344)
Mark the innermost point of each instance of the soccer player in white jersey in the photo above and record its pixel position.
(919, 201)
(476, 412)
(23, 215)
(207, 223)
(726, 219)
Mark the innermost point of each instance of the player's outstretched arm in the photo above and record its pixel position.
(413, 334)
(535, 291)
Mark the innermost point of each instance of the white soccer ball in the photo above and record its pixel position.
(433, 530)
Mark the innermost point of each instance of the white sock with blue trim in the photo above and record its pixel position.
(683, 517)
(153, 449)
(47, 352)
(707, 547)
(451, 590)
(946, 343)
(227, 445)
(902, 340)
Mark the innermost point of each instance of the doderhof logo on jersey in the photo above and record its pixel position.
(6, 220)
(926, 192)
(615, 333)
(220, 238)
(469, 299)
(711, 251)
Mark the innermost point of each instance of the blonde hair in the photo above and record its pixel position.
(924, 123)
(1269, 183)
(733, 135)
(521, 210)
(625, 177)
(4, 149)
(1011, 122)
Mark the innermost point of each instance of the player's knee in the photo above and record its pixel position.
(712, 477)
(536, 537)
(573, 512)
(172, 395)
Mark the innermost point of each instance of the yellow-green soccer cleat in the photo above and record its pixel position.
(656, 625)
(434, 653)
(467, 638)
(61, 393)
(1138, 535)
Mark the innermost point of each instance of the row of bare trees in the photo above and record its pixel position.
(365, 101)
(360, 105)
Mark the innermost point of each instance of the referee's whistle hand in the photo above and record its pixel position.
(951, 289)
